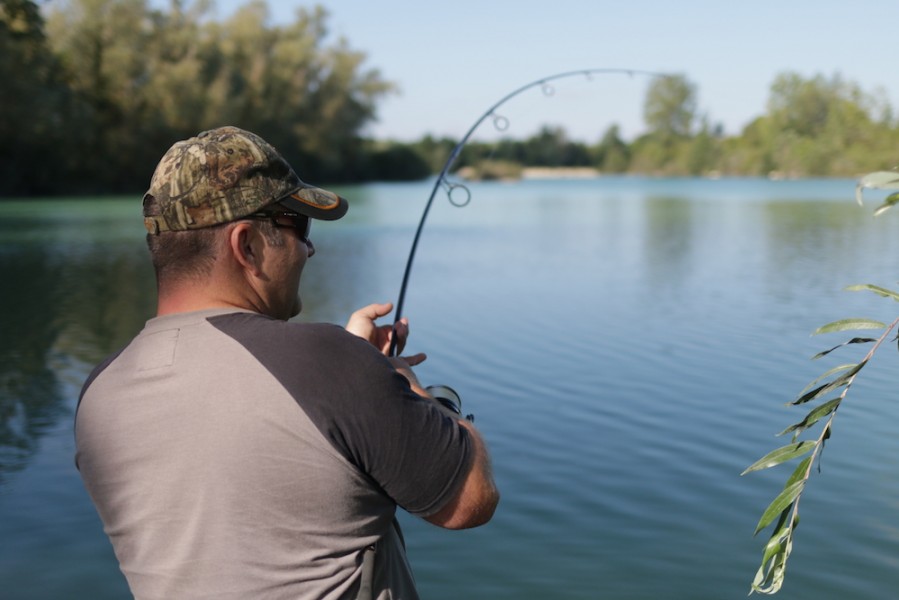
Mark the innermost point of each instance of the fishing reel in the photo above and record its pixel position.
(449, 398)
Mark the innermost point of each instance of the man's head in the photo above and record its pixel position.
(208, 185)
(223, 175)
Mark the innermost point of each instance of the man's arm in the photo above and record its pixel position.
(476, 500)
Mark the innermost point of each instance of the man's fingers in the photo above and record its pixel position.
(374, 311)
(400, 332)
(415, 359)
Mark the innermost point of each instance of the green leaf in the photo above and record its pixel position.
(887, 204)
(770, 576)
(849, 324)
(782, 454)
(839, 382)
(809, 396)
(777, 544)
(879, 180)
(780, 504)
(800, 473)
(814, 416)
(855, 340)
(828, 374)
(770, 581)
(881, 291)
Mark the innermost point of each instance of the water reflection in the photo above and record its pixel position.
(668, 240)
(29, 395)
(360, 259)
(828, 247)
(70, 300)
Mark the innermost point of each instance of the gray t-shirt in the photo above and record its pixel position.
(231, 455)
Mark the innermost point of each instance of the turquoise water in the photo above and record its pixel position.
(626, 344)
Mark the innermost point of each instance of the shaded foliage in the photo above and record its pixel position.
(96, 94)
(395, 162)
(36, 103)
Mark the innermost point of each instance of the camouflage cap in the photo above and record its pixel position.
(223, 175)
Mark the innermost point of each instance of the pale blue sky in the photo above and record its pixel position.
(453, 60)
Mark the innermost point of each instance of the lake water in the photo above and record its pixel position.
(626, 344)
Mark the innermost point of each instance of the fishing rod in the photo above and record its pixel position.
(501, 123)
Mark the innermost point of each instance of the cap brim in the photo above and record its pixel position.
(316, 203)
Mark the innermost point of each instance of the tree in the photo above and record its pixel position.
(552, 148)
(396, 162)
(815, 121)
(613, 154)
(35, 102)
(103, 45)
(308, 98)
(703, 150)
(670, 107)
(146, 77)
(435, 152)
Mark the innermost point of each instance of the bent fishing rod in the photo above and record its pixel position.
(501, 123)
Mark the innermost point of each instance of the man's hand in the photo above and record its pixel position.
(362, 323)
(403, 366)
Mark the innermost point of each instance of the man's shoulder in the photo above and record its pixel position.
(249, 325)
(268, 338)
(96, 372)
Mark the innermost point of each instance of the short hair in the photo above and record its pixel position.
(181, 254)
(178, 255)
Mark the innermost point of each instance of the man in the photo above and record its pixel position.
(232, 454)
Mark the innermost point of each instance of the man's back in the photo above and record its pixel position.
(231, 455)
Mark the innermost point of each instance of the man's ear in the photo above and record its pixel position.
(244, 244)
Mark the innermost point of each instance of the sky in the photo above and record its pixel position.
(452, 61)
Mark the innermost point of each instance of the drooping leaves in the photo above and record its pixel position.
(826, 388)
(828, 374)
(881, 291)
(781, 503)
(882, 180)
(813, 417)
(856, 340)
(781, 455)
(849, 325)
(770, 576)
(888, 203)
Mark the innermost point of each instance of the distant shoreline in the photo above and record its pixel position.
(560, 173)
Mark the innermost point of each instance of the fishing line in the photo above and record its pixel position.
(462, 193)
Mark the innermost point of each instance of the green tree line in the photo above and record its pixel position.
(813, 127)
(94, 91)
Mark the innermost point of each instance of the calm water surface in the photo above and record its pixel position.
(626, 344)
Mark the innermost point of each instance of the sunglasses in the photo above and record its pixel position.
(299, 223)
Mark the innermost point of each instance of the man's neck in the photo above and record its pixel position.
(174, 299)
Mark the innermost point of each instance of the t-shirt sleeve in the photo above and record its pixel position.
(417, 454)
(414, 452)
